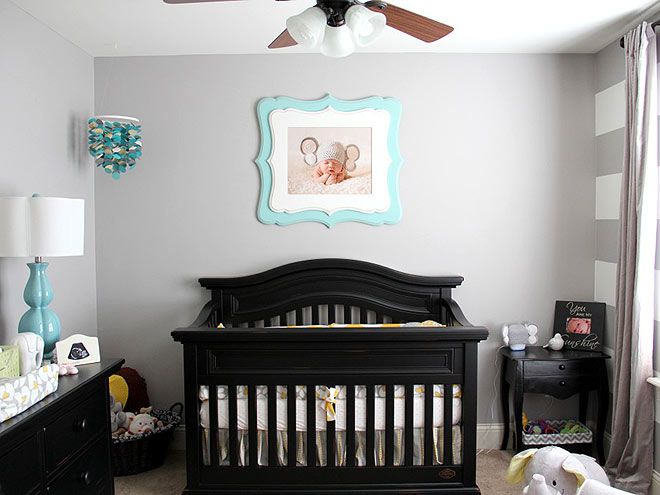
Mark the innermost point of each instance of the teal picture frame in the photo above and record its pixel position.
(268, 107)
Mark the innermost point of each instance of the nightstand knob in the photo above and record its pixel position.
(86, 478)
(562, 367)
(562, 383)
(80, 425)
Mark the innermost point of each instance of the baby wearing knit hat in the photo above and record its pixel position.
(330, 165)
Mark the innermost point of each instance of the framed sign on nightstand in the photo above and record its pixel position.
(581, 324)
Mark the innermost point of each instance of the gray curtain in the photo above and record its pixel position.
(630, 461)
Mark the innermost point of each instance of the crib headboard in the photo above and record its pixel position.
(325, 291)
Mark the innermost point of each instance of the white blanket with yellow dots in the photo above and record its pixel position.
(22, 392)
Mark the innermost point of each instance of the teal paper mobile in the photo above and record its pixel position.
(115, 143)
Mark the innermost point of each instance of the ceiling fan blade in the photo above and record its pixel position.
(415, 25)
(195, 1)
(283, 40)
(201, 1)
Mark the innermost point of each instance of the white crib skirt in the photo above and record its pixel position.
(340, 407)
(340, 447)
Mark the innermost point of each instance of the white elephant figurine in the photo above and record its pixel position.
(564, 473)
(518, 335)
(30, 351)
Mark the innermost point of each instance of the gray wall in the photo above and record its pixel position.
(46, 95)
(497, 186)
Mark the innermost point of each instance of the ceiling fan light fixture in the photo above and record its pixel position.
(337, 42)
(308, 27)
(365, 25)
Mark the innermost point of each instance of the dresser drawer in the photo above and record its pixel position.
(20, 471)
(557, 367)
(89, 474)
(74, 429)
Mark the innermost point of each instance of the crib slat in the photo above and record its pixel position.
(272, 425)
(252, 425)
(213, 423)
(348, 318)
(233, 426)
(291, 424)
(362, 314)
(389, 424)
(380, 318)
(448, 422)
(350, 425)
(299, 317)
(409, 442)
(331, 314)
(428, 424)
(283, 320)
(315, 314)
(371, 426)
(330, 441)
(311, 426)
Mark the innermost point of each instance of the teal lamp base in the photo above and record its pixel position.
(40, 319)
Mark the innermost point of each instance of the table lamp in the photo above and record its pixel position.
(41, 227)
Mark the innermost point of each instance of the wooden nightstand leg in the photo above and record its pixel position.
(518, 393)
(584, 404)
(603, 405)
(504, 399)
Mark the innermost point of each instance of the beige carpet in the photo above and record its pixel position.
(170, 479)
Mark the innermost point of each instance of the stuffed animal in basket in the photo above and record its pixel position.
(117, 415)
(564, 473)
(142, 423)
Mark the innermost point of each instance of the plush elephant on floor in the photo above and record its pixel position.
(554, 471)
(538, 486)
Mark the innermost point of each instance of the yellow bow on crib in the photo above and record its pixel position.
(330, 400)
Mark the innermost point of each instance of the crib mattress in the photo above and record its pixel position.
(340, 408)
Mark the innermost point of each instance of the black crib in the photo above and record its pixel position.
(249, 353)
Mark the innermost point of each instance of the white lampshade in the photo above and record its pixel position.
(365, 25)
(39, 226)
(338, 42)
(307, 27)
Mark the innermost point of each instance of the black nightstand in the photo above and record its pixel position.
(560, 374)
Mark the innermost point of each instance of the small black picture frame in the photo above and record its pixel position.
(581, 324)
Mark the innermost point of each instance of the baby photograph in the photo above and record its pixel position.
(329, 160)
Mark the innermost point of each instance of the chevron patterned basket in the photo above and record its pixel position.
(557, 438)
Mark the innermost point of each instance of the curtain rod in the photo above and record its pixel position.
(654, 25)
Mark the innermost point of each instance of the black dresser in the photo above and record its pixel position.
(62, 444)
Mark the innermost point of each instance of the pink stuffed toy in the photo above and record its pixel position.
(142, 423)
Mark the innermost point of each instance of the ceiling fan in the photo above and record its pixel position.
(337, 26)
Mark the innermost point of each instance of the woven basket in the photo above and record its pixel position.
(558, 438)
(141, 453)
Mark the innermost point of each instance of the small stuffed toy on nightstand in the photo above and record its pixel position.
(519, 335)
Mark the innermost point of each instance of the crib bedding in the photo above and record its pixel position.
(339, 406)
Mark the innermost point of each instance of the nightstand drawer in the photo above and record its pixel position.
(558, 386)
(557, 367)
(20, 470)
(87, 475)
(74, 429)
